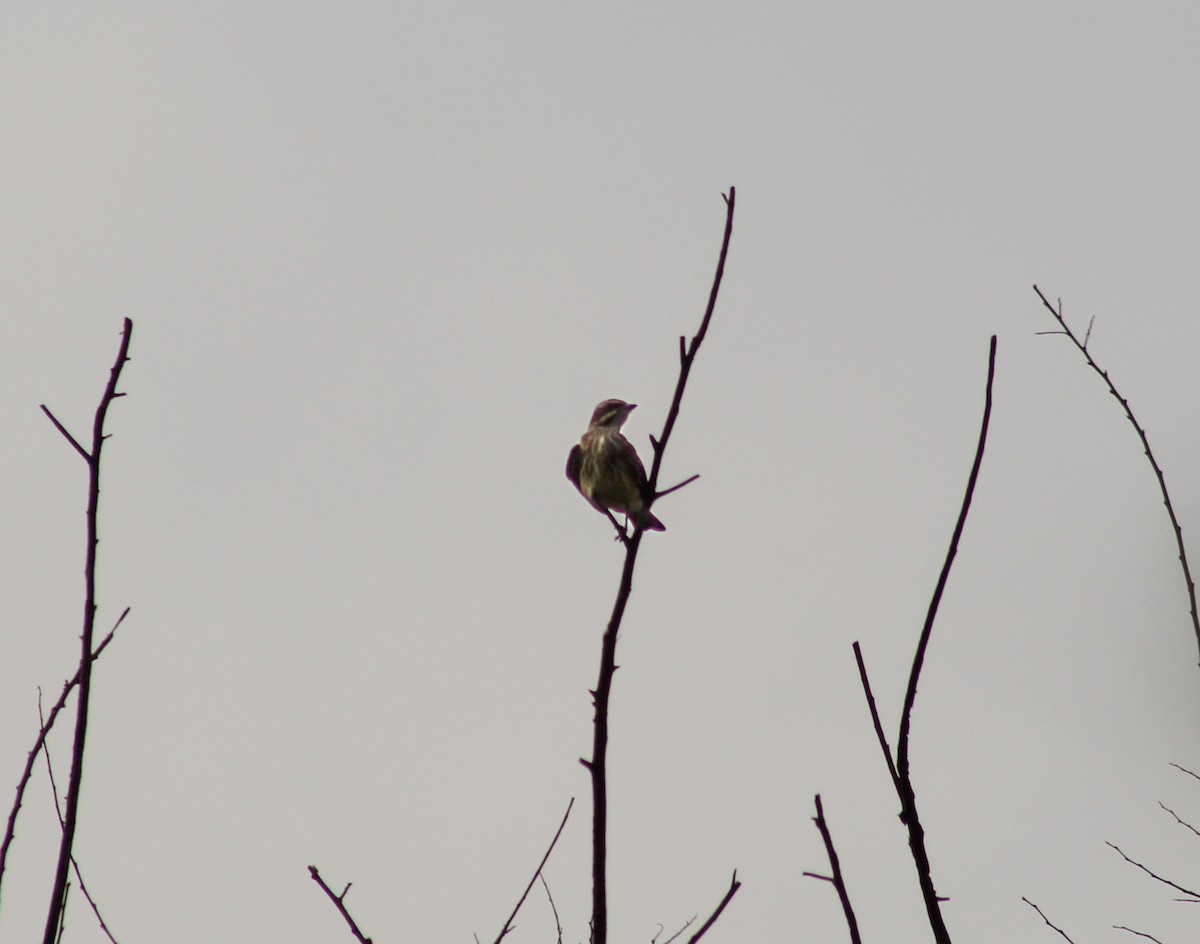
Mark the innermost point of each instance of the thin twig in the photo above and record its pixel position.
(1186, 771)
(687, 924)
(339, 903)
(10, 831)
(675, 488)
(1047, 920)
(1153, 875)
(553, 908)
(883, 744)
(1195, 832)
(58, 812)
(541, 865)
(62, 429)
(75, 783)
(597, 765)
(1158, 473)
(1151, 937)
(734, 885)
(836, 878)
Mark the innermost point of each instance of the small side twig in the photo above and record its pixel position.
(871, 706)
(687, 924)
(734, 885)
(537, 874)
(339, 902)
(553, 908)
(1158, 472)
(836, 878)
(675, 488)
(1047, 920)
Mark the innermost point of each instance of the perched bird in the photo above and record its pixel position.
(606, 469)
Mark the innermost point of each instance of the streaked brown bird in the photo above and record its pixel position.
(606, 469)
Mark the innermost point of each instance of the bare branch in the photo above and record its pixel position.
(10, 831)
(675, 488)
(734, 885)
(1158, 473)
(339, 902)
(541, 865)
(1047, 920)
(75, 783)
(883, 744)
(1186, 771)
(62, 429)
(1156, 877)
(597, 765)
(908, 799)
(836, 877)
(1150, 937)
(1189, 826)
(58, 812)
(687, 924)
(550, 898)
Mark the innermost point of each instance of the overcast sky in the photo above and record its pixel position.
(383, 260)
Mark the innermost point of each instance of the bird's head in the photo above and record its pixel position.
(611, 414)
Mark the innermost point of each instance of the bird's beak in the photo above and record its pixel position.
(630, 407)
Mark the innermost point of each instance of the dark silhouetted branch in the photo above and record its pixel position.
(10, 831)
(541, 865)
(339, 902)
(900, 770)
(74, 784)
(836, 878)
(1158, 473)
(1047, 920)
(58, 812)
(675, 488)
(871, 706)
(597, 765)
(734, 885)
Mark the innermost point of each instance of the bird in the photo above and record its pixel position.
(606, 469)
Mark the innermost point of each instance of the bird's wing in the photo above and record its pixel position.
(574, 460)
(633, 462)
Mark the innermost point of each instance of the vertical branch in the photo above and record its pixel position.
(1158, 473)
(835, 877)
(899, 770)
(58, 895)
(597, 765)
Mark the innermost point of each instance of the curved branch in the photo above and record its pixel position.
(1158, 472)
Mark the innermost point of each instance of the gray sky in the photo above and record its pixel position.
(382, 262)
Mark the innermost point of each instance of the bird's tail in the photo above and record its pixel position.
(648, 522)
